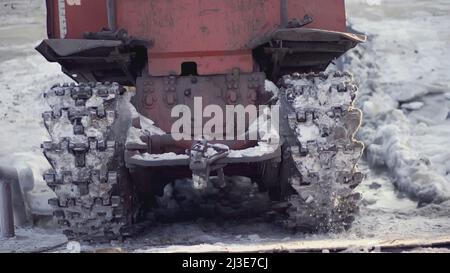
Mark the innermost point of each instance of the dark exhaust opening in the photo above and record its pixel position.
(189, 69)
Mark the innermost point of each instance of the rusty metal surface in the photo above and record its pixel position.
(156, 96)
(218, 30)
(214, 34)
(217, 36)
(81, 17)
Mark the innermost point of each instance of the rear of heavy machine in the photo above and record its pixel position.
(113, 148)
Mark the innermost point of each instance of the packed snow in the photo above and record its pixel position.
(404, 76)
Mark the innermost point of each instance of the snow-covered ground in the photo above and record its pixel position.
(404, 74)
(23, 76)
(405, 87)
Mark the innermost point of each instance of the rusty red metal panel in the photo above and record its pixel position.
(211, 33)
(85, 16)
(214, 34)
(80, 16)
(195, 30)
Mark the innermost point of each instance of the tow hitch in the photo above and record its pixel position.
(203, 158)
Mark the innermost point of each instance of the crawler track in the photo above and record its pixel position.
(320, 152)
(94, 199)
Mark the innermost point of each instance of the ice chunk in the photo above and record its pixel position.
(416, 105)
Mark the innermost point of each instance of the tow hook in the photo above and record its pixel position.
(204, 159)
